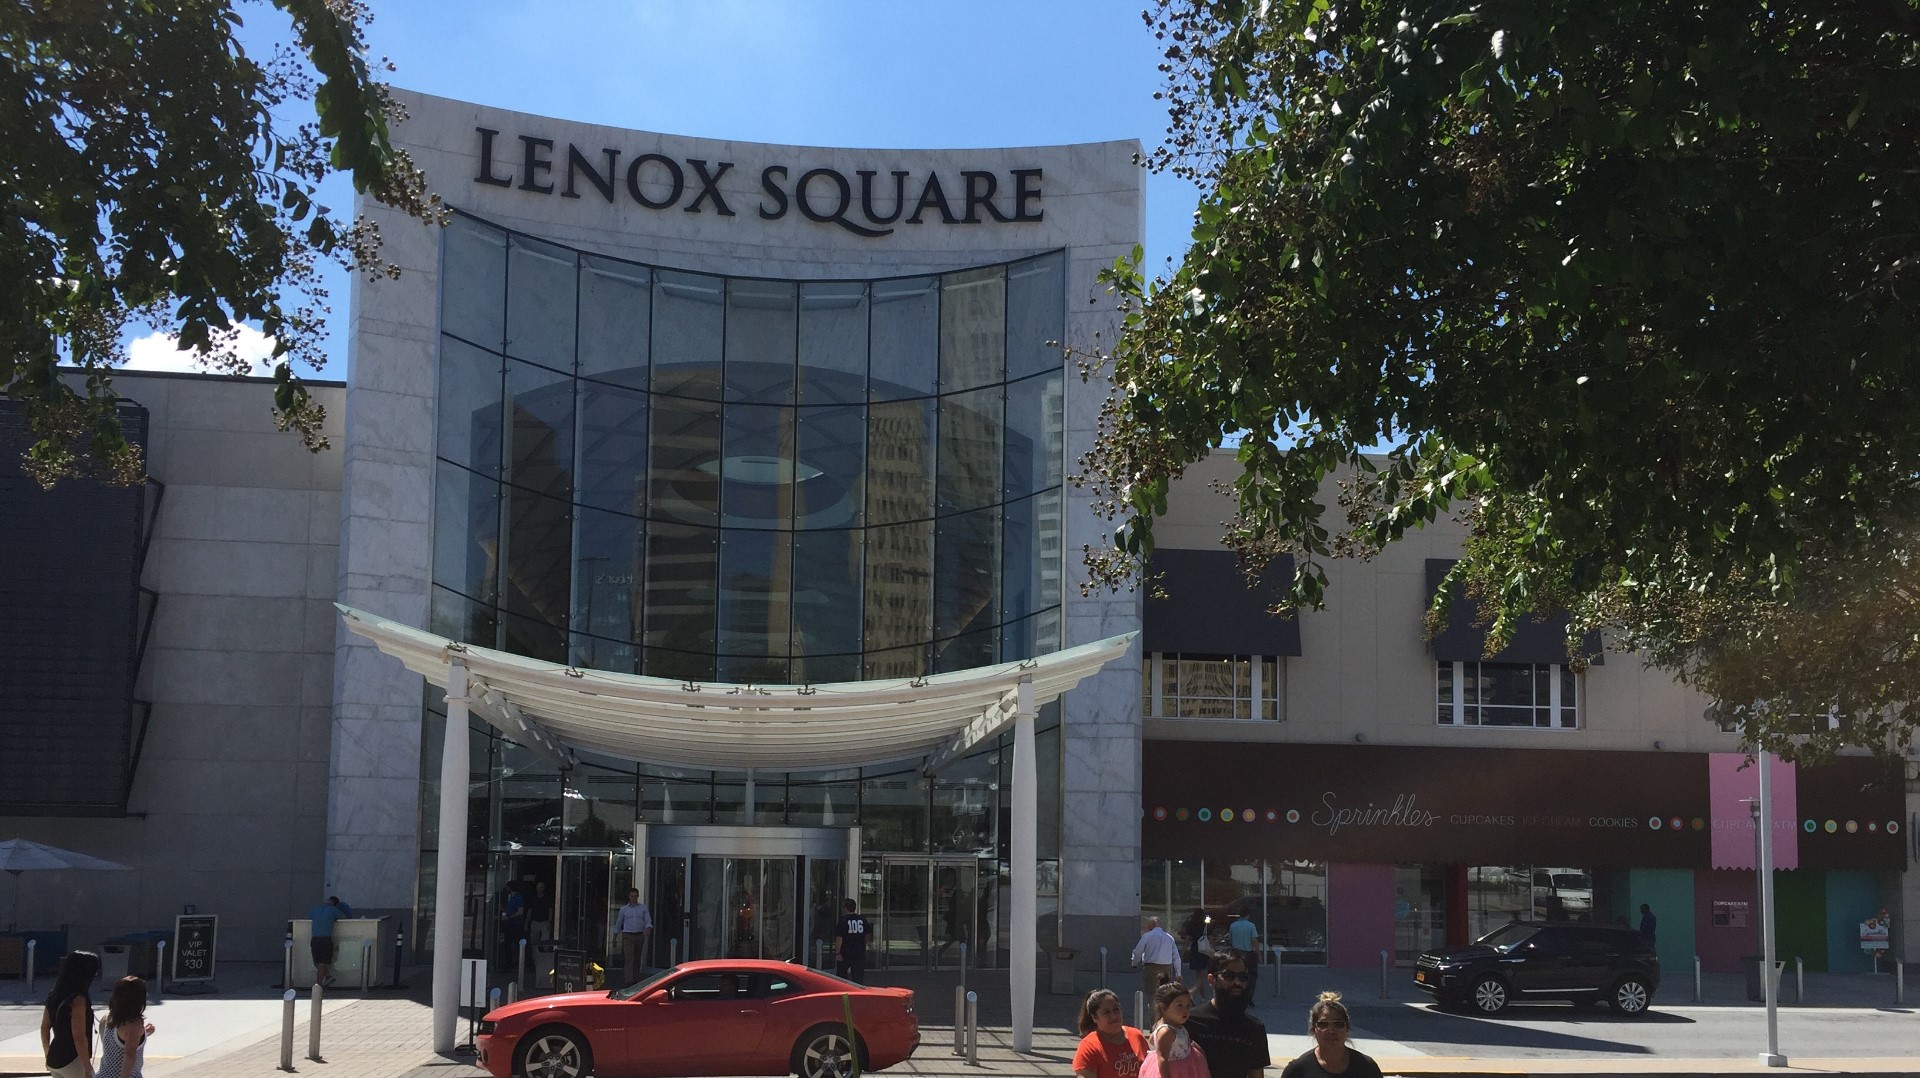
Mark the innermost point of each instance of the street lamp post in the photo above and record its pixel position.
(1770, 988)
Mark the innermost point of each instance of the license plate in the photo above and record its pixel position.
(1420, 976)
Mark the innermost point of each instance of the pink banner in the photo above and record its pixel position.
(1733, 783)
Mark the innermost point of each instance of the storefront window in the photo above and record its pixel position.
(1419, 910)
(1213, 687)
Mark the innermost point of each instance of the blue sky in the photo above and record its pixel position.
(909, 74)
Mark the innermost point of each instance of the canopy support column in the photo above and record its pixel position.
(1023, 847)
(450, 862)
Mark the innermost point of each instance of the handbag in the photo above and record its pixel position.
(1206, 944)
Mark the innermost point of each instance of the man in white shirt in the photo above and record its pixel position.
(632, 925)
(1158, 956)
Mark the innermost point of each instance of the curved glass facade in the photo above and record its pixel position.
(684, 475)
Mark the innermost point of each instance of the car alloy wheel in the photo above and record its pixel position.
(1632, 996)
(552, 1053)
(1489, 995)
(826, 1054)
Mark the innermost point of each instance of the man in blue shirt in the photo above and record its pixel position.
(1244, 936)
(323, 916)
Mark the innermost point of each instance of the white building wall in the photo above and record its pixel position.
(228, 807)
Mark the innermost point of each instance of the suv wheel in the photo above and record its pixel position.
(1489, 995)
(1631, 997)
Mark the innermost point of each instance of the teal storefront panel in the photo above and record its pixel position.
(1669, 893)
(1852, 897)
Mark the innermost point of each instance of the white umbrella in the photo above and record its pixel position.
(19, 855)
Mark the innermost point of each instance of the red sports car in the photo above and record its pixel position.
(703, 1018)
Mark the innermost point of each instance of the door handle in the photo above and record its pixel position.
(749, 1012)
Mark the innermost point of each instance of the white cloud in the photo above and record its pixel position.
(161, 352)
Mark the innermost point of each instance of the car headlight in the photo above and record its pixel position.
(486, 1027)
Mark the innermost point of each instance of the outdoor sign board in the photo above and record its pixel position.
(194, 940)
(1873, 934)
(569, 970)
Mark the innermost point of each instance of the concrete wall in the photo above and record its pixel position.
(228, 809)
(1092, 209)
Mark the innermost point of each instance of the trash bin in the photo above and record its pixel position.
(1756, 991)
(1060, 971)
(142, 956)
(113, 961)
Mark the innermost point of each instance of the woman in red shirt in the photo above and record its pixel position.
(1110, 1048)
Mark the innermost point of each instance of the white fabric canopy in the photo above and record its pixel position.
(556, 708)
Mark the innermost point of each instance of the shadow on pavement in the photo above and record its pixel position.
(1517, 1028)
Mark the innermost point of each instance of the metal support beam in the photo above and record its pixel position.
(450, 862)
(1023, 955)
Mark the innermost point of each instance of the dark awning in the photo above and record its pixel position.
(1208, 608)
(1535, 639)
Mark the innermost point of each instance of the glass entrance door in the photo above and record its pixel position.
(927, 912)
(744, 907)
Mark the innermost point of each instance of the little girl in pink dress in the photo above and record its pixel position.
(1172, 1053)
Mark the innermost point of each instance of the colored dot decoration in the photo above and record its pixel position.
(1852, 827)
(1272, 815)
(1180, 814)
(1656, 823)
(1893, 827)
(1160, 813)
(1810, 827)
(1832, 827)
(1699, 824)
(1674, 823)
(1205, 815)
(1293, 815)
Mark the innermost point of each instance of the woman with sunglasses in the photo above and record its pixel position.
(1328, 1022)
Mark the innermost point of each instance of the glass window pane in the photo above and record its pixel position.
(473, 282)
(689, 319)
(613, 448)
(756, 468)
(540, 303)
(970, 450)
(469, 409)
(833, 342)
(756, 585)
(964, 652)
(896, 663)
(1036, 315)
(1509, 684)
(681, 565)
(967, 564)
(760, 341)
(457, 617)
(1034, 424)
(536, 638)
(829, 477)
(826, 593)
(900, 458)
(615, 310)
(609, 573)
(899, 585)
(540, 454)
(824, 669)
(973, 328)
(466, 534)
(906, 337)
(684, 481)
(539, 579)
(683, 665)
(1031, 561)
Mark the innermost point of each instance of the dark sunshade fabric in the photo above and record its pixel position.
(1199, 603)
(1537, 640)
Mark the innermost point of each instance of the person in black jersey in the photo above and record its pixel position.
(850, 943)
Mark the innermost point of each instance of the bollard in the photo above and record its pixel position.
(399, 941)
(1276, 973)
(32, 972)
(819, 954)
(973, 1029)
(673, 951)
(1139, 1009)
(286, 1031)
(313, 1022)
(513, 991)
(1699, 984)
(520, 969)
(159, 967)
(1799, 980)
(963, 965)
(493, 1000)
(1103, 967)
(1386, 962)
(366, 966)
(474, 996)
(959, 1020)
(1899, 983)
(286, 966)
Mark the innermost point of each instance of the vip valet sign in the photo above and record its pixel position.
(1411, 805)
(870, 202)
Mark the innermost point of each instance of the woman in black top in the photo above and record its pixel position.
(66, 1024)
(1330, 1055)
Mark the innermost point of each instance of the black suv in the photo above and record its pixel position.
(1531, 960)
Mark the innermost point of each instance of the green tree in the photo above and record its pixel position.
(148, 181)
(1628, 285)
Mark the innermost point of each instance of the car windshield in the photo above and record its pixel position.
(1507, 937)
(635, 989)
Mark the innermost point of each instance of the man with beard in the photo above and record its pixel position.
(1235, 1042)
